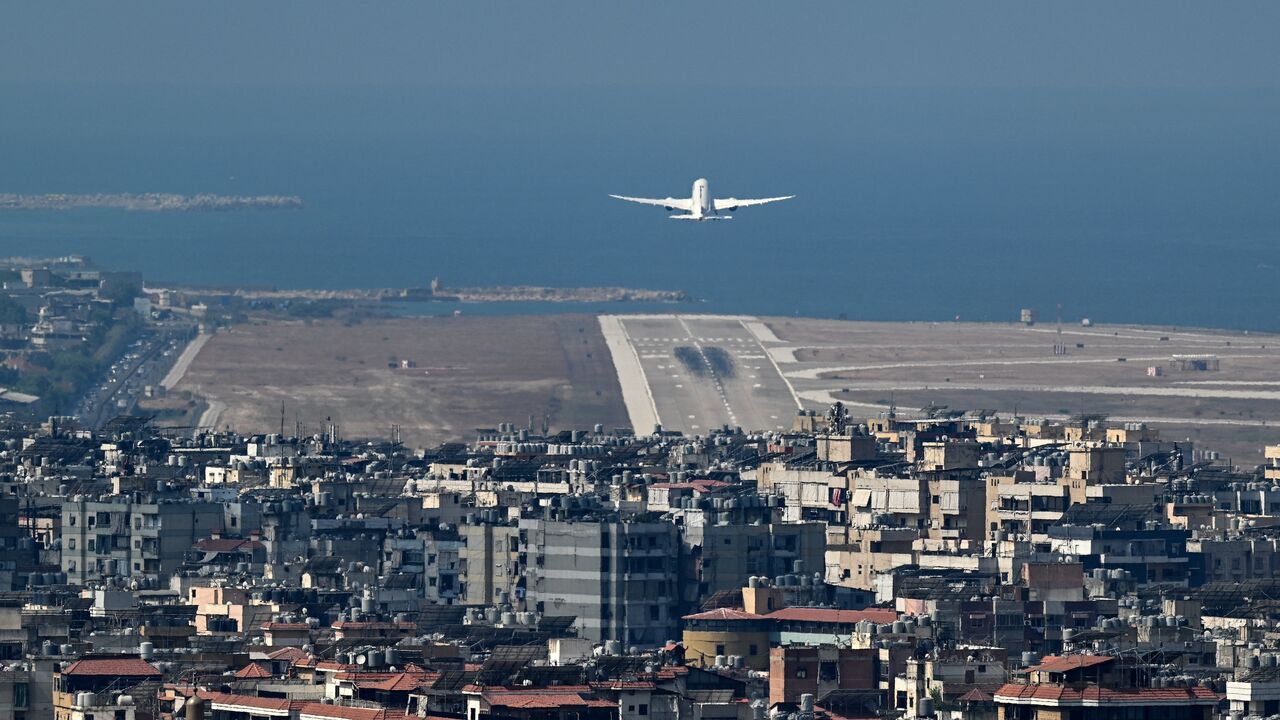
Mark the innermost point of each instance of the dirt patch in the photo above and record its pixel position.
(437, 378)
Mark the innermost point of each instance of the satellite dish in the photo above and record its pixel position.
(362, 659)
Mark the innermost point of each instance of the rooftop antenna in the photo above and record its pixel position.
(282, 418)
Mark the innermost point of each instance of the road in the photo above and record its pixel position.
(144, 363)
(693, 373)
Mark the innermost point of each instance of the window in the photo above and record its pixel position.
(644, 708)
(20, 695)
(719, 649)
(71, 544)
(753, 650)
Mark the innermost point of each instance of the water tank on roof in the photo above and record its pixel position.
(146, 651)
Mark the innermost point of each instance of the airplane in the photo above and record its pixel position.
(701, 206)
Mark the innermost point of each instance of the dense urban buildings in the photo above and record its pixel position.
(943, 564)
(938, 567)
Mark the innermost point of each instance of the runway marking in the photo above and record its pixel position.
(715, 377)
(821, 373)
(785, 379)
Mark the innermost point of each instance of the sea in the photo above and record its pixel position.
(1157, 206)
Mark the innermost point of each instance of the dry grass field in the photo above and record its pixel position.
(467, 372)
(1008, 367)
(474, 372)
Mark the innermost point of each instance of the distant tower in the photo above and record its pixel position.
(435, 285)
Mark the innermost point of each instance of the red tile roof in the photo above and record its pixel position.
(724, 614)
(406, 682)
(1014, 694)
(1067, 663)
(830, 615)
(230, 701)
(391, 682)
(624, 685)
(976, 695)
(291, 654)
(539, 698)
(253, 671)
(126, 666)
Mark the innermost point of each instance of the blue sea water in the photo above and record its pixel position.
(1156, 206)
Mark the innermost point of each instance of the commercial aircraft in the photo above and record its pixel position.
(700, 206)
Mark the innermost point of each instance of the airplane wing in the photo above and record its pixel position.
(735, 203)
(685, 204)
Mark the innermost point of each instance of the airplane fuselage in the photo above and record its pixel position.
(702, 205)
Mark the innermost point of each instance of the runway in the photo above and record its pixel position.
(694, 373)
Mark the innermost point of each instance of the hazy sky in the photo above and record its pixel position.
(688, 44)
